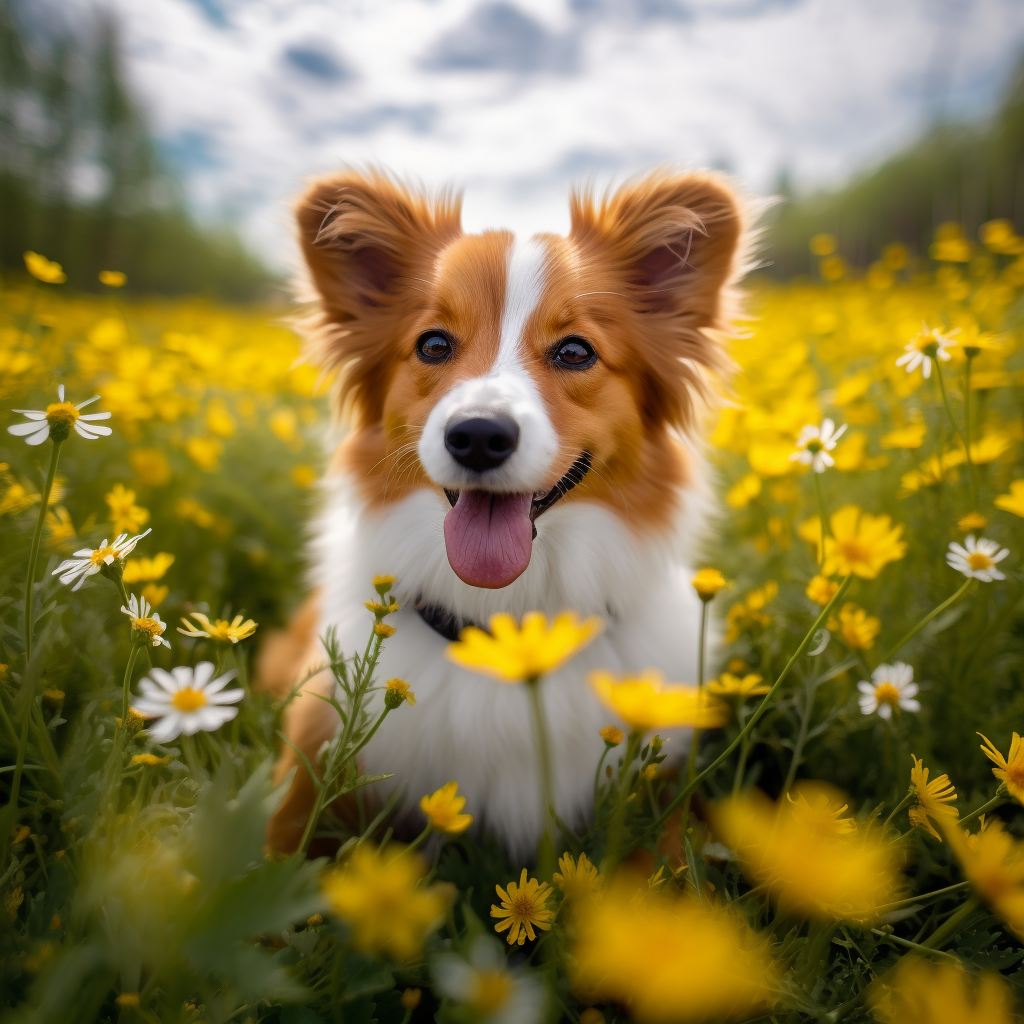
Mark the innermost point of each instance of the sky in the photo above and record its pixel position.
(513, 101)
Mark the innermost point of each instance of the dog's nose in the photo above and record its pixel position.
(479, 443)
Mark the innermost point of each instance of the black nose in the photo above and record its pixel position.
(481, 444)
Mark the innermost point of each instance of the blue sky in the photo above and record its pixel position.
(513, 100)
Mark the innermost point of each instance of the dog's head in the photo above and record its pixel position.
(501, 372)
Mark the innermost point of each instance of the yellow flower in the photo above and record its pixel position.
(821, 589)
(668, 959)
(523, 908)
(728, 685)
(517, 654)
(16, 499)
(125, 515)
(934, 799)
(971, 521)
(382, 584)
(397, 690)
(155, 594)
(205, 452)
(43, 269)
(994, 864)
(920, 992)
(823, 244)
(150, 465)
(1014, 501)
(383, 630)
(815, 862)
(226, 632)
(378, 893)
(442, 807)
(612, 735)
(380, 610)
(646, 702)
(303, 476)
(411, 998)
(1009, 769)
(149, 759)
(707, 583)
(59, 527)
(112, 278)
(861, 544)
(577, 879)
(911, 436)
(810, 531)
(750, 611)
(146, 570)
(743, 491)
(856, 627)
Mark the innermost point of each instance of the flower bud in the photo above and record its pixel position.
(707, 583)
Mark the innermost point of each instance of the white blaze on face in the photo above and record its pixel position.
(507, 389)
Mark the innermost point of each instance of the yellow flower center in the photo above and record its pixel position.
(221, 630)
(492, 991)
(1015, 774)
(928, 347)
(977, 560)
(102, 554)
(854, 549)
(151, 628)
(189, 699)
(63, 413)
(886, 693)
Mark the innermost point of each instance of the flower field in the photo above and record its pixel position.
(844, 843)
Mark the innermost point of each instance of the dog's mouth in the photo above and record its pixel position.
(489, 536)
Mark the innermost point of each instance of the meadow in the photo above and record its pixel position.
(843, 845)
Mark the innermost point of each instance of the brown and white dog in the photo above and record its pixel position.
(519, 411)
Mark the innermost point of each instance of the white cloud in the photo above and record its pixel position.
(254, 95)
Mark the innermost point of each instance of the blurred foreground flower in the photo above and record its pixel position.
(934, 799)
(647, 702)
(861, 544)
(668, 959)
(523, 908)
(517, 654)
(43, 269)
(112, 278)
(150, 628)
(1009, 769)
(485, 988)
(443, 807)
(928, 345)
(891, 687)
(977, 558)
(89, 561)
(378, 893)
(57, 419)
(147, 570)
(1014, 500)
(186, 701)
(815, 862)
(220, 629)
(919, 992)
(814, 444)
(993, 862)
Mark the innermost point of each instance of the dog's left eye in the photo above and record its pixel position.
(575, 354)
(434, 347)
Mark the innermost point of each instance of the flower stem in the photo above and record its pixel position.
(33, 554)
(899, 807)
(801, 740)
(967, 449)
(991, 805)
(821, 516)
(126, 689)
(546, 850)
(928, 618)
(823, 615)
(691, 759)
(615, 827)
(949, 927)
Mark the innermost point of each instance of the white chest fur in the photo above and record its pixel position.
(476, 730)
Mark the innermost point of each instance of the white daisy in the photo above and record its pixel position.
(977, 560)
(58, 418)
(930, 344)
(891, 686)
(484, 985)
(186, 700)
(149, 626)
(814, 444)
(89, 561)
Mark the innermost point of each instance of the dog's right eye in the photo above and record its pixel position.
(434, 347)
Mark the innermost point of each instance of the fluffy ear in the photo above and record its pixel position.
(677, 241)
(368, 243)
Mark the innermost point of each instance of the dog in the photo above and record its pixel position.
(521, 415)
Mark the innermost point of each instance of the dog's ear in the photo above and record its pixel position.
(676, 241)
(367, 242)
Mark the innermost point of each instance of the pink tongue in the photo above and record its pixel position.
(489, 537)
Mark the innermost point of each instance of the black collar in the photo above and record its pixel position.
(446, 623)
